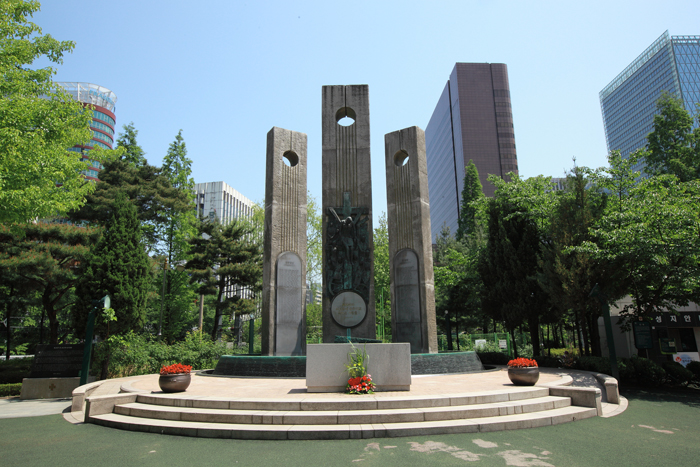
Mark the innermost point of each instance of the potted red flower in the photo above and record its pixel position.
(175, 377)
(523, 371)
(359, 381)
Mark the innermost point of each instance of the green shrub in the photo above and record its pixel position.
(595, 364)
(493, 358)
(135, 354)
(549, 362)
(14, 370)
(560, 352)
(487, 347)
(677, 373)
(626, 369)
(13, 389)
(646, 372)
(525, 351)
(694, 368)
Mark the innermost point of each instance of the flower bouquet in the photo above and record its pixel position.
(359, 381)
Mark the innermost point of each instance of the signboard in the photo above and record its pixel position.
(479, 343)
(502, 344)
(57, 361)
(642, 335)
(684, 319)
(686, 357)
(667, 345)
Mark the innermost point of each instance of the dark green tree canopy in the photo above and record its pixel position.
(119, 267)
(469, 208)
(133, 154)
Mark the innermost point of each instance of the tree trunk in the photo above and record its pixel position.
(515, 344)
(534, 324)
(595, 336)
(8, 315)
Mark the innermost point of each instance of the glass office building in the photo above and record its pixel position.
(471, 121)
(671, 64)
(102, 101)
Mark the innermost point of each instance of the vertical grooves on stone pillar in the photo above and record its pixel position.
(289, 201)
(346, 163)
(402, 194)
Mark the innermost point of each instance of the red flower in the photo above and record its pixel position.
(175, 369)
(522, 363)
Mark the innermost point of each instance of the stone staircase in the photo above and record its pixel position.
(339, 417)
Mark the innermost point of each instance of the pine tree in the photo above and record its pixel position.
(224, 259)
(134, 154)
(119, 267)
(471, 194)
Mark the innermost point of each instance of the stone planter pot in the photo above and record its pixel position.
(524, 376)
(174, 383)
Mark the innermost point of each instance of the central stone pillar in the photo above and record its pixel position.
(284, 251)
(348, 259)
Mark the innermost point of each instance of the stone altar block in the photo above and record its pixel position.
(348, 260)
(284, 245)
(389, 365)
(410, 245)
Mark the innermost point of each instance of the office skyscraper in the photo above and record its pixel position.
(472, 120)
(671, 64)
(102, 101)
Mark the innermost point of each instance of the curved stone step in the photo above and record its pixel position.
(339, 417)
(345, 431)
(345, 402)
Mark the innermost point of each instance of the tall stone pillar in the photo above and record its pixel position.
(410, 246)
(348, 259)
(284, 257)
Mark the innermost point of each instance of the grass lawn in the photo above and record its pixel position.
(660, 427)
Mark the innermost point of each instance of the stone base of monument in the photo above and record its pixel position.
(49, 388)
(258, 365)
(389, 365)
(444, 363)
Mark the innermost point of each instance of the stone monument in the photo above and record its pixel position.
(284, 257)
(348, 260)
(410, 246)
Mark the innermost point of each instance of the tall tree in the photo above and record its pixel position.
(44, 258)
(175, 233)
(119, 267)
(314, 241)
(472, 193)
(673, 147)
(133, 153)
(39, 121)
(145, 186)
(382, 290)
(226, 260)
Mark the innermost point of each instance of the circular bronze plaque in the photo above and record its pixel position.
(348, 309)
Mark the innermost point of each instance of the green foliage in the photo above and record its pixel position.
(358, 361)
(12, 371)
(43, 257)
(224, 257)
(547, 361)
(314, 240)
(677, 373)
(382, 289)
(119, 267)
(646, 372)
(472, 195)
(694, 368)
(14, 389)
(147, 188)
(595, 364)
(39, 121)
(139, 354)
(133, 154)
(673, 147)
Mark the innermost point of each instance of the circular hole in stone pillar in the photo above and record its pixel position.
(401, 158)
(345, 116)
(290, 158)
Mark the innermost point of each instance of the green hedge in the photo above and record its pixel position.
(493, 358)
(14, 370)
(136, 354)
(13, 389)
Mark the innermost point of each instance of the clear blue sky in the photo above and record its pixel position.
(226, 72)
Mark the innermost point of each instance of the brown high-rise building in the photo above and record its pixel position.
(472, 120)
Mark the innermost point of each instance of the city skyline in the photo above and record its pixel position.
(227, 74)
